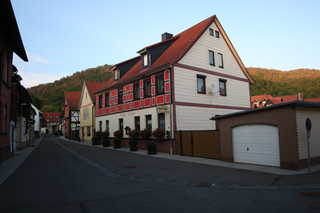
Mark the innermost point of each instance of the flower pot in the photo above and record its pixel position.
(152, 148)
(117, 144)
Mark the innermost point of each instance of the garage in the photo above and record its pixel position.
(256, 144)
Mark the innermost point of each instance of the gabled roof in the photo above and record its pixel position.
(10, 29)
(51, 116)
(181, 44)
(93, 87)
(72, 99)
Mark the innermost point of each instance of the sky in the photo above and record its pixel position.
(65, 36)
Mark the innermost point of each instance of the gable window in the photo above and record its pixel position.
(146, 60)
(223, 87)
(211, 31)
(217, 34)
(220, 60)
(201, 84)
(100, 101)
(107, 125)
(211, 58)
(149, 122)
(160, 84)
(116, 75)
(137, 123)
(120, 94)
(147, 88)
(136, 90)
(161, 121)
(106, 99)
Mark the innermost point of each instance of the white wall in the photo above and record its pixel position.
(185, 85)
(314, 115)
(198, 55)
(128, 119)
(197, 118)
(36, 119)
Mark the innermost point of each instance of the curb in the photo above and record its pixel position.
(8, 167)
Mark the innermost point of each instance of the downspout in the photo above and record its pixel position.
(173, 116)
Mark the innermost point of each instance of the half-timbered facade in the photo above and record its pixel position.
(176, 84)
(71, 125)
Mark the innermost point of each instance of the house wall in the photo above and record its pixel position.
(284, 118)
(194, 109)
(128, 119)
(301, 115)
(87, 115)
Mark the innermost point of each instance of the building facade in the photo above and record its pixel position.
(52, 120)
(177, 84)
(10, 42)
(71, 118)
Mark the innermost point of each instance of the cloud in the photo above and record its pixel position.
(37, 59)
(30, 79)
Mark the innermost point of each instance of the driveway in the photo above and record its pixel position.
(60, 176)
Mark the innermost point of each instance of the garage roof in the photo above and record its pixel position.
(275, 106)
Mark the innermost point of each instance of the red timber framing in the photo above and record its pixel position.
(129, 103)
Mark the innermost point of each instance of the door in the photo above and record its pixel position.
(256, 144)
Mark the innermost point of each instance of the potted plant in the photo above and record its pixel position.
(158, 134)
(117, 139)
(133, 141)
(96, 139)
(105, 139)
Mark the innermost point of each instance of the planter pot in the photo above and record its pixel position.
(152, 148)
(106, 143)
(133, 145)
(117, 144)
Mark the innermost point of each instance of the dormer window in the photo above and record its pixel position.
(116, 75)
(146, 60)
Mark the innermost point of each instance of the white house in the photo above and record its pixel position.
(36, 119)
(176, 84)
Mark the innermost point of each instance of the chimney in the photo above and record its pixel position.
(300, 96)
(166, 36)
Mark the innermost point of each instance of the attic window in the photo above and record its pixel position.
(211, 31)
(116, 75)
(217, 34)
(146, 60)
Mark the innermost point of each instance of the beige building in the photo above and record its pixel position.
(87, 110)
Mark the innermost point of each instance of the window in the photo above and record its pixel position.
(120, 94)
(222, 87)
(146, 60)
(88, 131)
(160, 84)
(121, 124)
(149, 122)
(100, 126)
(106, 99)
(147, 88)
(161, 121)
(82, 130)
(217, 34)
(201, 84)
(107, 125)
(211, 58)
(220, 60)
(211, 31)
(137, 123)
(100, 101)
(116, 75)
(136, 90)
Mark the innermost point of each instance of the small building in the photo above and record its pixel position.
(71, 114)
(52, 120)
(271, 136)
(87, 109)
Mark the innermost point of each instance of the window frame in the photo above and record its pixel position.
(107, 99)
(146, 58)
(100, 101)
(220, 59)
(100, 126)
(211, 32)
(120, 95)
(136, 90)
(117, 74)
(137, 123)
(216, 34)
(212, 61)
(159, 77)
(202, 77)
(120, 124)
(88, 131)
(164, 121)
(223, 91)
(107, 126)
(147, 90)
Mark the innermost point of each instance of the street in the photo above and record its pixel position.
(60, 176)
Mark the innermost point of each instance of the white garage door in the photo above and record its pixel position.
(256, 144)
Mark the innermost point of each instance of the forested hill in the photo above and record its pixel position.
(49, 97)
(276, 82)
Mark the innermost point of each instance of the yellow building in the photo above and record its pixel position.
(87, 109)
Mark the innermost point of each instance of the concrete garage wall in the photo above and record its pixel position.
(284, 118)
(301, 115)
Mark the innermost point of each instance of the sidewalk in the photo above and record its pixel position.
(210, 162)
(9, 166)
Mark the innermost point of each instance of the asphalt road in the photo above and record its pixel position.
(60, 176)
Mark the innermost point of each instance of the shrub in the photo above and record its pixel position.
(133, 141)
(105, 139)
(159, 134)
(97, 139)
(145, 134)
(117, 140)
